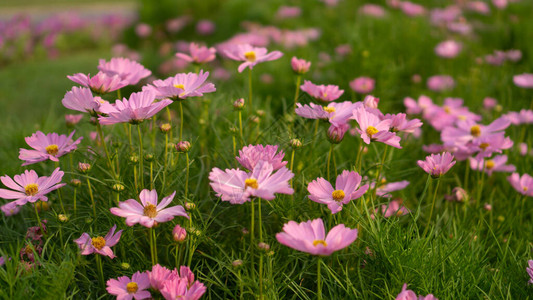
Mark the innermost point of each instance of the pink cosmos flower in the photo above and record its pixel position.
(406, 294)
(72, 120)
(250, 156)
(385, 188)
(373, 10)
(489, 103)
(525, 116)
(399, 122)
(179, 234)
(523, 185)
(50, 146)
(423, 105)
(370, 101)
(139, 107)
(439, 83)
(524, 80)
(143, 30)
(300, 66)
(500, 4)
(128, 70)
(336, 113)
(487, 145)
(529, 270)
(101, 83)
(100, 245)
(287, 12)
(81, 99)
(10, 209)
(310, 237)
(347, 188)
(250, 55)
(437, 164)
(412, 9)
(449, 114)
(363, 85)
(495, 164)
(448, 49)
(126, 289)
(468, 130)
(205, 27)
(371, 128)
(198, 54)
(148, 212)
(158, 276)
(393, 208)
(336, 133)
(237, 186)
(182, 86)
(478, 7)
(326, 93)
(181, 285)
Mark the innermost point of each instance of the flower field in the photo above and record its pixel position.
(324, 149)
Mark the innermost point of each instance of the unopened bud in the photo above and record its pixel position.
(336, 133)
(165, 127)
(149, 157)
(255, 119)
(487, 206)
(117, 187)
(190, 206)
(179, 234)
(295, 144)
(42, 205)
(263, 246)
(134, 158)
(125, 266)
(75, 182)
(183, 146)
(237, 263)
(261, 113)
(233, 130)
(238, 104)
(84, 167)
(62, 218)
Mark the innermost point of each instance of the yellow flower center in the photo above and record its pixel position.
(28, 250)
(462, 118)
(132, 287)
(489, 164)
(371, 130)
(179, 86)
(329, 109)
(251, 182)
(150, 211)
(525, 189)
(338, 195)
(322, 242)
(447, 109)
(324, 95)
(484, 146)
(98, 242)
(475, 130)
(31, 189)
(250, 56)
(52, 149)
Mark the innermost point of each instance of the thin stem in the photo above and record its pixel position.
(38, 219)
(151, 238)
(297, 93)
(151, 175)
(169, 117)
(319, 279)
(467, 171)
(130, 137)
(250, 99)
(100, 270)
(252, 231)
(75, 194)
(155, 245)
(291, 168)
(102, 141)
(261, 252)
(176, 262)
(329, 159)
(379, 171)
(181, 120)
(187, 175)
(358, 158)
(240, 128)
(432, 206)
(480, 190)
(91, 196)
(141, 158)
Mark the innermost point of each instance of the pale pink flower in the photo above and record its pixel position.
(326, 93)
(72, 120)
(300, 66)
(437, 165)
(392, 209)
(489, 103)
(139, 107)
(310, 237)
(406, 294)
(399, 122)
(524, 80)
(371, 101)
(479, 7)
(101, 83)
(127, 289)
(100, 245)
(181, 285)
(250, 156)
(158, 276)
(336, 133)
(288, 12)
(439, 83)
(347, 188)
(182, 86)
(81, 99)
(495, 164)
(386, 188)
(469, 130)
(10, 209)
(371, 128)
(525, 116)
(490, 144)
(128, 70)
(148, 212)
(500, 4)
(179, 234)
(50, 146)
(205, 27)
(412, 9)
(363, 85)
(522, 147)
(448, 49)
(373, 10)
(250, 55)
(529, 270)
(238, 187)
(523, 185)
(143, 30)
(198, 54)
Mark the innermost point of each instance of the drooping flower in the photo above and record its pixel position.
(250, 156)
(363, 85)
(250, 55)
(347, 188)
(325, 93)
(50, 146)
(523, 185)
(99, 245)
(182, 86)
(101, 83)
(179, 234)
(524, 80)
(182, 285)
(371, 128)
(29, 187)
(310, 237)
(238, 187)
(198, 54)
(10, 209)
(128, 70)
(495, 164)
(437, 164)
(148, 211)
(300, 66)
(126, 289)
(81, 99)
(139, 107)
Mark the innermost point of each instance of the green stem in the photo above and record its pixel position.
(169, 117)
(252, 242)
(187, 175)
(319, 279)
(291, 168)
(151, 175)
(261, 252)
(181, 120)
(141, 158)
(329, 159)
(151, 238)
(467, 171)
(379, 170)
(297, 93)
(432, 206)
(155, 245)
(38, 219)
(75, 194)
(91, 196)
(102, 141)
(240, 128)
(250, 99)
(100, 270)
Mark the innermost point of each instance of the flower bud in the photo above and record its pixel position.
(75, 182)
(125, 266)
(263, 246)
(72, 120)
(62, 218)
(84, 167)
(165, 127)
(233, 130)
(371, 101)
(260, 113)
(487, 207)
(245, 231)
(295, 144)
(179, 234)
(134, 158)
(149, 157)
(238, 104)
(300, 66)
(255, 119)
(336, 133)
(42, 205)
(190, 206)
(117, 187)
(183, 146)
(237, 263)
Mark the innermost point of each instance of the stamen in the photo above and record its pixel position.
(150, 211)
(98, 242)
(489, 164)
(322, 242)
(31, 189)
(179, 86)
(338, 195)
(484, 146)
(329, 109)
(371, 130)
(475, 130)
(250, 56)
(132, 287)
(52, 149)
(251, 182)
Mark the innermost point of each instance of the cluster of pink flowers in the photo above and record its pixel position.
(406, 294)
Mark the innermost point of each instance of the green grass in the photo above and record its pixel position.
(468, 252)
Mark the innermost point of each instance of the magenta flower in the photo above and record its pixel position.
(198, 54)
(363, 85)
(310, 237)
(326, 93)
(81, 99)
(300, 66)
(439, 83)
(100, 83)
(529, 270)
(448, 49)
(126, 289)
(495, 164)
(336, 133)
(371, 128)
(437, 164)
(29, 187)
(347, 188)
(523, 185)
(237, 186)
(100, 245)
(182, 86)
(148, 212)
(50, 146)
(128, 70)
(250, 55)
(250, 156)
(139, 107)
(181, 285)
(394, 208)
